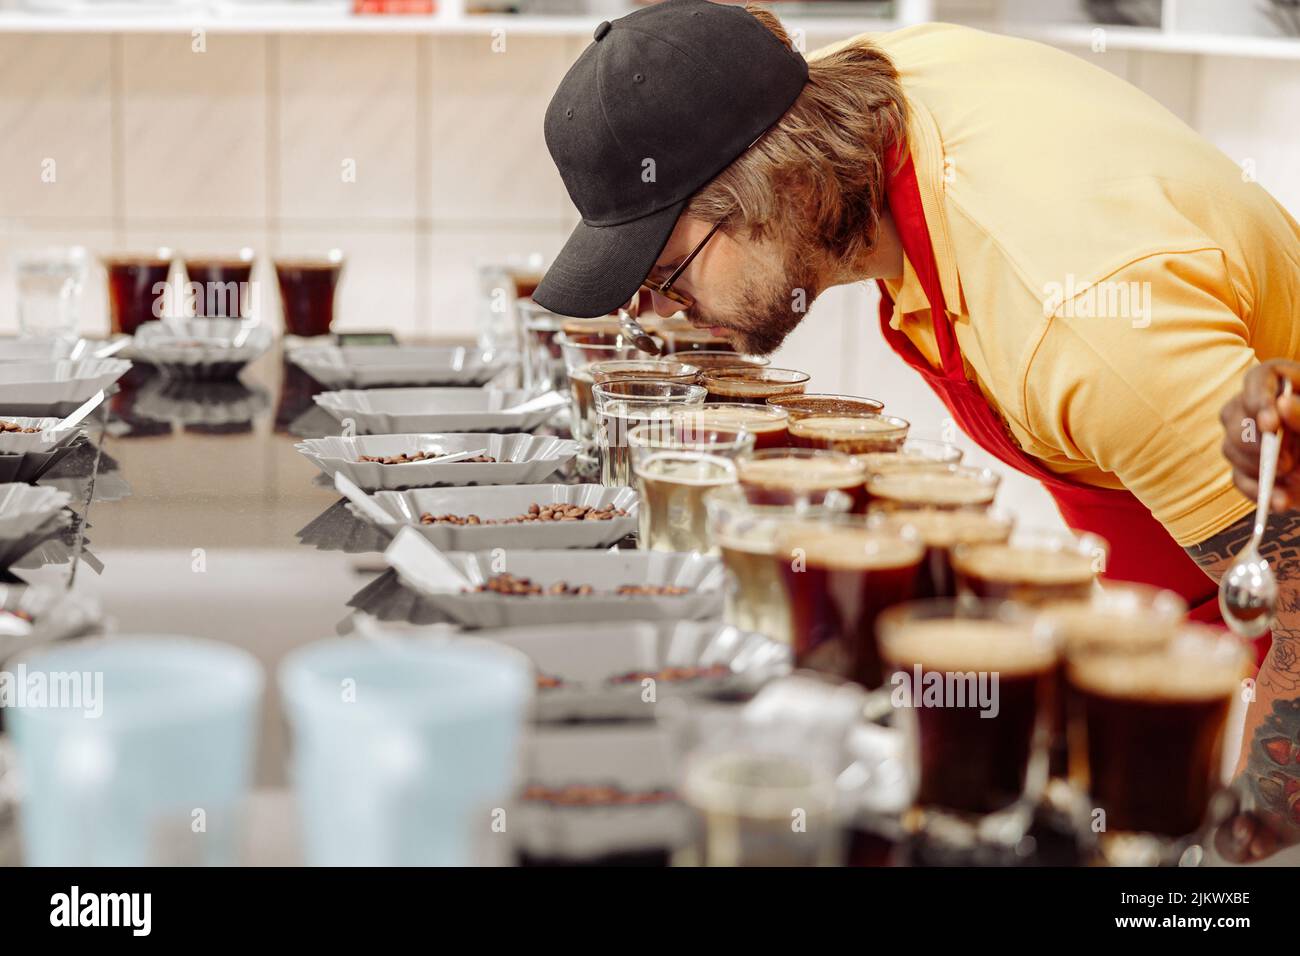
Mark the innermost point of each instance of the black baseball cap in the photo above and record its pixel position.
(658, 104)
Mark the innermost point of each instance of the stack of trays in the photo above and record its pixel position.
(369, 366)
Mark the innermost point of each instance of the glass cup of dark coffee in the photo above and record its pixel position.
(767, 425)
(661, 370)
(220, 287)
(931, 486)
(709, 359)
(137, 290)
(941, 530)
(789, 476)
(913, 453)
(1118, 618)
(1034, 566)
(752, 384)
(826, 405)
(971, 682)
(839, 575)
(1146, 733)
(854, 435)
(307, 291)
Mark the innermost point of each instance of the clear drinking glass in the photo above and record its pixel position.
(913, 453)
(971, 683)
(860, 434)
(749, 384)
(138, 289)
(541, 359)
(50, 284)
(930, 486)
(1034, 566)
(674, 471)
(745, 536)
(579, 357)
(307, 291)
(787, 476)
(839, 574)
(1145, 738)
(765, 423)
(623, 404)
(502, 284)
(824, 404)
(145, 756)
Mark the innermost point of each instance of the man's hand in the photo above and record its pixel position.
(1259, 409)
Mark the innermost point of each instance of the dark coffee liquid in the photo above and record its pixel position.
(1030, 576)
(307, 295)
(976, 764)
(223, 289)
(833, 612)
(1151, 764)
(133, 288)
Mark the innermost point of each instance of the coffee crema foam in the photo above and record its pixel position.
(1009, 562)
(841, 427)
(926, 486)
(1156, 676)
(944, 528)
(753, 419)
(813, 474)
(961, 645)
(850, 549)
(1080, 625)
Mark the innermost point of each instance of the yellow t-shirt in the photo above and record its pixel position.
(1110, 275)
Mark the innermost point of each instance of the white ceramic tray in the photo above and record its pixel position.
(45, 439)
(403, 508)
(520, 459)
(386, 411)
(605, 571)
(204, 349)
(51, 613)
(621, 670)
(26, 387)
(367, 366)
(24, 508)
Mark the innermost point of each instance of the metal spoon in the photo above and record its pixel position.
(1248, 591)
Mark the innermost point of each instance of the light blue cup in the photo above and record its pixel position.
(159, 775)
(403, 752)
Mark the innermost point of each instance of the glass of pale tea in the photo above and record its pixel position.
(674, 471)
(307, 291)
(825, 404)
(542, 362)
(790, 476)
(767, 425)
(839, 575)
(1146, 730)
(620, 406)
(971, 684)
(1117, 617)
(752, 384)
(1033, 566)
(220, 287)
(580, 357)
(137, 289)
(852, 434)
(745, 536)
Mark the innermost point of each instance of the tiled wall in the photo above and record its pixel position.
(246, 143)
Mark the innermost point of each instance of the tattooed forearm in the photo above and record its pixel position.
(1281, 548)
(1269, 767)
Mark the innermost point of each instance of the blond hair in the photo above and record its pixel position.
(816, 178)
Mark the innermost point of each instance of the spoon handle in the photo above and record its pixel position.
(1270, 448)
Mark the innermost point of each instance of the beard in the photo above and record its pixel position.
(765, 312)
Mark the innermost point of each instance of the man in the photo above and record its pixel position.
(1080, 277)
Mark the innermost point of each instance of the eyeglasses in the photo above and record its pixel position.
(666, 289)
